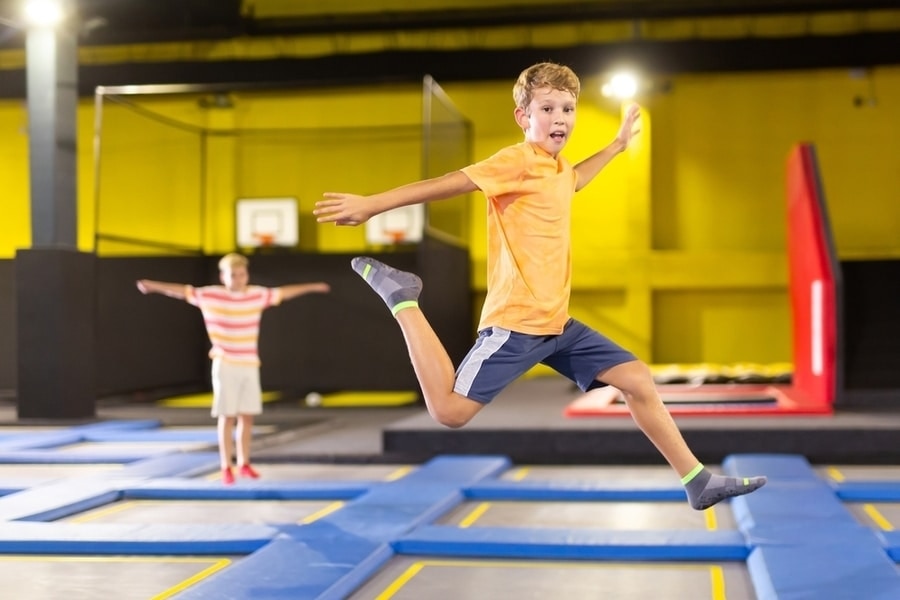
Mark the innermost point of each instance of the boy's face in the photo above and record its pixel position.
(234, 278)
(549, 119)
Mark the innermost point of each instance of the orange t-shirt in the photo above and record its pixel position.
(529, 265)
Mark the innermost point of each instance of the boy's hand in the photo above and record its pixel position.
(143, 286)
(628, 128)
(343, 209)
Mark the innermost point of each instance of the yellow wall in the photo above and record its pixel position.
(679, 245)
(296, 144)
(15, 223)
(720, 147)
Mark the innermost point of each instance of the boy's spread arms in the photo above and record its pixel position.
(299, 289)
(591, 166)
(351, 209)
(173, 290)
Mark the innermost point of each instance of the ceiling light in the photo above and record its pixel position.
(43, 13)
(621, 85)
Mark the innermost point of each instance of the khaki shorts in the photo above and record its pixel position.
(236, 389)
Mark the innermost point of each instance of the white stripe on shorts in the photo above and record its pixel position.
(469, 370)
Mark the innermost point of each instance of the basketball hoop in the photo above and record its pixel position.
(265, 240)
(397, 236)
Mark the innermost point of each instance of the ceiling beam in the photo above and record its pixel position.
(546, 14)
(660, 58)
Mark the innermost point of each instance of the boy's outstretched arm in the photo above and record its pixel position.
(173, 290)
(591, 166)
(351, 209)
(299, 289)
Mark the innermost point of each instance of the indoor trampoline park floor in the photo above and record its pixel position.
(130, 507)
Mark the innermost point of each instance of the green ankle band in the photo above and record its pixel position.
(692, 474)
(402, 305)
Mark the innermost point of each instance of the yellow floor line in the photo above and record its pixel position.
(180, 587)
(398, 583)
(353, 399)
(476, 514)
(879, 518)
(105, 512)
(710, 515)
(321, 513)
(204, 400)
(717, 583)
(520, 473)
(869, 509)
(399, 474)
(716, 574)
(835, 474)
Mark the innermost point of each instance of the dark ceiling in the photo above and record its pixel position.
(111, 22)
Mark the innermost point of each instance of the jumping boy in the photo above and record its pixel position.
(525, 320)
(232, 313)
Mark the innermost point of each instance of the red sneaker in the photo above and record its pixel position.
(227, 476)
(247, 471)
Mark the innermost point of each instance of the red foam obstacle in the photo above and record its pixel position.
(814, 282)
(707, 400)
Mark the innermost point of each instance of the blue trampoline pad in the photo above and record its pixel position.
(326, 472)
(48, 471)
(99, 449)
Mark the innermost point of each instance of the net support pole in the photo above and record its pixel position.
(54, 281)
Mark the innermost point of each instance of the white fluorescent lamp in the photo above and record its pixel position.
(621, 85)
(43, 13)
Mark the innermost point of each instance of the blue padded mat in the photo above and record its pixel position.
(566, 544)
(806, 543)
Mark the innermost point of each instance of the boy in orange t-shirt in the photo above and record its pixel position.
(525, 318)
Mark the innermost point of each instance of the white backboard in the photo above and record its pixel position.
(403, 225)
(258, 218)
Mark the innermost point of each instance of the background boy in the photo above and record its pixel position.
(525, 320)
(232, 313)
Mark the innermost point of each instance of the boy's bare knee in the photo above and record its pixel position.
(453, 421)
(455, 411)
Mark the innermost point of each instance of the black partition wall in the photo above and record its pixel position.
(871, 342)
(7, 328)
(344, 340)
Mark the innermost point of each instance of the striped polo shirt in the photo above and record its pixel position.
(232, 319)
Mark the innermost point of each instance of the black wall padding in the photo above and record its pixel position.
(446, 296)
(872, 325)
(149, 342)
(7, 326)
(344, 340)
(55, 335)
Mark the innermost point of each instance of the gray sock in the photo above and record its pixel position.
(704, 489)
(398, 289)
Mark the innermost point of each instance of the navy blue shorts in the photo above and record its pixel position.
(500, 356)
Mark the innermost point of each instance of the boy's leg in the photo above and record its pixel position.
(226, 441)
(434, 369)
(223, 405)
(244, 437)
(704, 488)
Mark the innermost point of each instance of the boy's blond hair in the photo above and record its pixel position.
(541, 75)
(232, 260)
